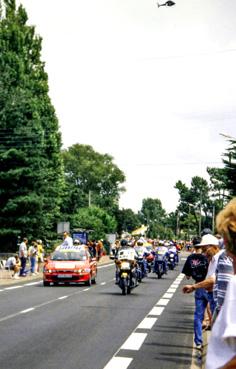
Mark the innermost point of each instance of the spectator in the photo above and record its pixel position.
(210, 246)
(23, 253)
(33, 251)
(221, 352)
(99, 249)
(40, 257)
(13, 263)
(224, 272)
(196, 267)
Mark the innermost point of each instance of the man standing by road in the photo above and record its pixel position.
(210, 247)
(196, 267)
(23, 252)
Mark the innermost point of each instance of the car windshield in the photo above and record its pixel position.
(69, 255)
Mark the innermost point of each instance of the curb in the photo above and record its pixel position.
(4, 282)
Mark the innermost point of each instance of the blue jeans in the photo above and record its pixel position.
(32, 264)
(202, 297)
(23, 265)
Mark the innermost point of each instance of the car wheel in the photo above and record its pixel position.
(45, 283)
(88, 282)
(94, 280)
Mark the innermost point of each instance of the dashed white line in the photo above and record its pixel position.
(167, 295)
(163, 302)
(86, 289)
(118, 362)
(32, 283)
(147, 323)
(156, 310)
(103, 283)
(171, 290)
(62, 297)
(134, 341)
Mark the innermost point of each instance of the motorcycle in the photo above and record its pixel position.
(142, 263)
(171, 260)
(150, 262)
(127, 276)
(159, 264)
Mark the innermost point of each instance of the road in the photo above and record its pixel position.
(76, 327)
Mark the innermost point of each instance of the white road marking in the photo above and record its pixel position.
(12, 288)
(167, 295)
(26, 311)
(134, 341)
(62, 297)
(118, 363)
(32, 283)
(162, 302)
(106, 266)
(175, 285)
(147, 323)
(86, 289)
(103, 283)
(171, 290)
(156, 310)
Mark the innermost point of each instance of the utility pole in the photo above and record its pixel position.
(89, 198)
(200, 215)
(213, 219)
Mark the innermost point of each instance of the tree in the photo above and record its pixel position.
(153, 215)
(92, 179)
(94, 219)
(193, 201)
(127, 220)
(230, 168)
(31, 172)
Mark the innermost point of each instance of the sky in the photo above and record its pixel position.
(153, 87)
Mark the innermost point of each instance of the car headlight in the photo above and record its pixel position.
(85, 270)
(48, 271)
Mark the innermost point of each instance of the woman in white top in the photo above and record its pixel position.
(221, 352)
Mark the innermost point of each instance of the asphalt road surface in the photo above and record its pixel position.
(78, 327)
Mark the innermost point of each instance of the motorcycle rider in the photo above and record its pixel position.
(173, 249)
(162, 249)
(142, 252)
(130, 255)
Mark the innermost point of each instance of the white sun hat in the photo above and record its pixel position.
(209, 240)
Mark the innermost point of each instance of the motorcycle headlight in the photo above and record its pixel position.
(125, 265)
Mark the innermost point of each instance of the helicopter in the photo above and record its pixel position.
(167, 3)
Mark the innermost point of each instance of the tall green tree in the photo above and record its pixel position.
(127, 220)
(95, 220)
(31, 171)
(230, 168)
(91, 179)
(153, 215)
(194, 201)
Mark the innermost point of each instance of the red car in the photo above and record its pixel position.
(72, 264)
